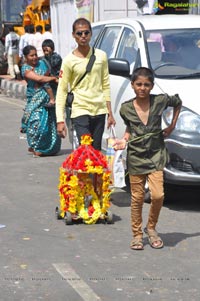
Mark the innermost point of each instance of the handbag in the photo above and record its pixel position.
(70, 94)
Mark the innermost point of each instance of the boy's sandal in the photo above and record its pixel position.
(154, 240)
(137, 244)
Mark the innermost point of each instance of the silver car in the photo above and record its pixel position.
(170, 45)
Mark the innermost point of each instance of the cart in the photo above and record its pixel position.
(85, 186)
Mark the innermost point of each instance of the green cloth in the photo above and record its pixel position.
(148, 153)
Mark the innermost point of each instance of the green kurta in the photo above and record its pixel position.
(148, 153)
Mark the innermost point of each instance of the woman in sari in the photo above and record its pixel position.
(38, 121)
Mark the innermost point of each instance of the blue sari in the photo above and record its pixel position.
(39, 122)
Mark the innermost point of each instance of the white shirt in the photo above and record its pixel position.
(22, 43)
(37, 42)
(47, 35)
(12, 43)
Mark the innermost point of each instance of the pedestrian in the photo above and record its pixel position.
(37, 41)
(23, 41)
(39, 122)
(146, 151)
(12, 52)
(91, 101)
(31, 35)
(53, 61)
(47, 34)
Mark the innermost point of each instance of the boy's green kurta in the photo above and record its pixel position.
(146, 150)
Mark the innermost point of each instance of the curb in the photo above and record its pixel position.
(15, 89)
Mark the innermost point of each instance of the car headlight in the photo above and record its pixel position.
(188, 121)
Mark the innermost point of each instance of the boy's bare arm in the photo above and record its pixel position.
(167, 131)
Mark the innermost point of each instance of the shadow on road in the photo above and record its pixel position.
(120, 199)
(182, 198)
(172, 239)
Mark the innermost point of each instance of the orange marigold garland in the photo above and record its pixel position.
(84, 186)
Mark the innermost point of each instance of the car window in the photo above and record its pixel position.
(95, 33)
(174, 52)
(127, 48)
(109, 39)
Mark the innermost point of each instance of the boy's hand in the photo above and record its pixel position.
(167, 131)
(119, 144)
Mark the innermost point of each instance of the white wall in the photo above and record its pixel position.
(111, 9)
(63, 14)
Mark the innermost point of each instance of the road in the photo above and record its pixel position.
(43, 259)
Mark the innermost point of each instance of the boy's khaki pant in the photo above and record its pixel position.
(156, 188)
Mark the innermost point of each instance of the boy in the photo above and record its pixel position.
(53, 61)
(146, 152)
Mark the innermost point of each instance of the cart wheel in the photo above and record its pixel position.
(109, 217)
(68, 218)
(57, 213)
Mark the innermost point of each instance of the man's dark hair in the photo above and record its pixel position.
(81, 21)
(47, 27)
(48, 43)
(31, 28)
(26, 28)
(143, 71)
(11, 28)
(39, 28)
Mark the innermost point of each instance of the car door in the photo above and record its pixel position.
(119, 41)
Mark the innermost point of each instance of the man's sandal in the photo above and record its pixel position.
(137, 244)
(154, 240)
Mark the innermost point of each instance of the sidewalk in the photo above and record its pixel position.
(12, 88)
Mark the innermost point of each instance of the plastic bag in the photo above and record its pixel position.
(115, 161)
(110, 152)
(118, 170)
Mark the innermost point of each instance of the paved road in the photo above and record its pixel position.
(43, 259)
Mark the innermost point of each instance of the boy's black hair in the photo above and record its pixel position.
(81, 21)
(48, 43)
(143, 71)
(27, 49)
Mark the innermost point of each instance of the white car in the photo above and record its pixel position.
(169, 44)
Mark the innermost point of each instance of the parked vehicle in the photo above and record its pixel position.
(169, 44)
(19, 14)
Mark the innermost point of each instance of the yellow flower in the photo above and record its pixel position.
(86, 140)
(74, 188)
(73, 181)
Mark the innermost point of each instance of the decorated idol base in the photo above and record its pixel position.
(84, 186)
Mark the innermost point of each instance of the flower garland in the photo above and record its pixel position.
(75, 189)
(84, 186)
